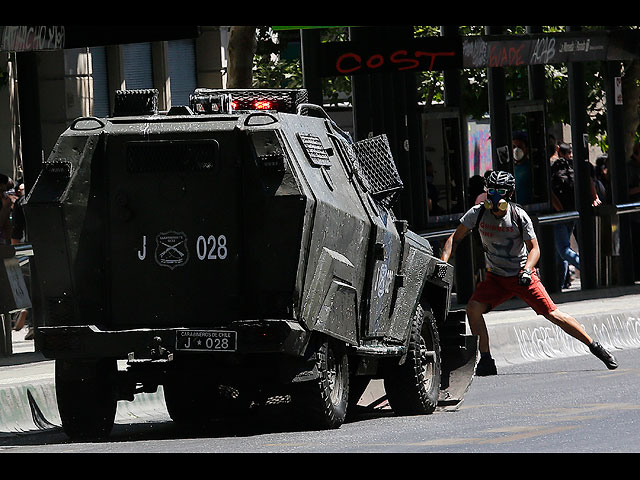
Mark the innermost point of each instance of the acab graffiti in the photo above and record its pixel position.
(550, 342)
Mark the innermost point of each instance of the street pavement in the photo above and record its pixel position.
(517, 335)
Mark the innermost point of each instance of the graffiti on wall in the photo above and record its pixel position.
(24, 38)
(479, 139)
(617, 331)
(480, 52)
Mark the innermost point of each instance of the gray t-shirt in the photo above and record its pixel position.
(504, 247)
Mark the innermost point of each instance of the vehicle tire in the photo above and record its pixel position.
(322, 403)
(86, 397)
(413, 387)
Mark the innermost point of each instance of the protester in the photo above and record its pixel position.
(512, 252)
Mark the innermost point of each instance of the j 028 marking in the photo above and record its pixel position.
(207, 247)
(211, 248)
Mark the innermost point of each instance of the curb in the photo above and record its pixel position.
(517, 335)
(536, 339)
(33, 407)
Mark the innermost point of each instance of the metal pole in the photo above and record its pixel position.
(536, 73)
(361, 94)
(500, 140)
(464, 271)
(578, 119)
(29, 109)
(617, 171)
(548, 259)
(309, 44)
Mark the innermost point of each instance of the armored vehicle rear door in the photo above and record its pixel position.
(174, 202)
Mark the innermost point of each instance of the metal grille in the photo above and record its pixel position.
(374, 165)
(172, 157)
(135, 102)
(316, 153)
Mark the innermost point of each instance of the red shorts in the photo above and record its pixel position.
(495, 290)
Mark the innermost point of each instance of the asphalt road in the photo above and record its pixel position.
(555, 406)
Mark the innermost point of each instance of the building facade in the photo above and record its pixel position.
(80, 82)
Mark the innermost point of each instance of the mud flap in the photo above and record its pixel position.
(459, 355)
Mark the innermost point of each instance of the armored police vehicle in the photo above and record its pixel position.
(235, 250)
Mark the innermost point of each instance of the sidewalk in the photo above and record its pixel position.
(518, 335)
(610, 316)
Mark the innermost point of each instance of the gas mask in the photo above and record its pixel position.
(496, 200)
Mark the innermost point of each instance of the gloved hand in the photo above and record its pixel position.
(524, 277)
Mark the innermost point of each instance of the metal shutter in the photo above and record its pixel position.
(182, 70)
(138, 72)
(100, 84)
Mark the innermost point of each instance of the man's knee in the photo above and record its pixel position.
(475, 308)
(558, 317)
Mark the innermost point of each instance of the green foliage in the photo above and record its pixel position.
(270, 70)
(278, 63)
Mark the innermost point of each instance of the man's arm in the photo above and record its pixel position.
(534, 253)
(555, 202)
(594, 194)
(452, 242)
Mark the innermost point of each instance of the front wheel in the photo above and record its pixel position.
(322, 403)
(413, 387)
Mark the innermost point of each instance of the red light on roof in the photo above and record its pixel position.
(262, 105)
(234, 104)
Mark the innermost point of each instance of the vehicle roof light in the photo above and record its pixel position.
(214, 102)
(263, 105)
(282, 100)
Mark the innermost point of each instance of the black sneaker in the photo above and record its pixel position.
(486, 367)
(600, 352)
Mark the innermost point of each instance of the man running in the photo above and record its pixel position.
(511, 251)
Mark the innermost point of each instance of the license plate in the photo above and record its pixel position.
(206, 340)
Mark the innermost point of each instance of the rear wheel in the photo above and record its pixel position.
(322, 403)
(86, 397)
(413, 387)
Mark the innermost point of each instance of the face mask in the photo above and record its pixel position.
(495, 200)
(518, 154)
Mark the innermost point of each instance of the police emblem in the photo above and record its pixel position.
(171, 249)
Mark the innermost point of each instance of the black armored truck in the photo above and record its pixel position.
(230, 251)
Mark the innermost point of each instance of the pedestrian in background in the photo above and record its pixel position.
(7, 197)
(563, 200)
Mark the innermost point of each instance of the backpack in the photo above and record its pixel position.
(562, 183)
